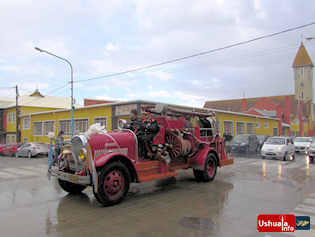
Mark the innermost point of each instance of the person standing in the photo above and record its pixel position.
(59, 142)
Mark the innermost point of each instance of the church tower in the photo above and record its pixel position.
(303, 75)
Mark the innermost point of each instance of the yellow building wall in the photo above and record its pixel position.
(11, 127)
(106, 111)
(295, 127)
(85, 113)
(260, 130)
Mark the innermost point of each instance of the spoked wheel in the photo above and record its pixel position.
(209, 171)
(175, 143)
(113, 184)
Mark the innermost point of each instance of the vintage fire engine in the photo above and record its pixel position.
(109, 162)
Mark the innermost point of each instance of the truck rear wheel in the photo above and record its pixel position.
(71, 187)
(209, 171)
(113, 184)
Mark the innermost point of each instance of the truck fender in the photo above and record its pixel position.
(199, 162)
(116, 156)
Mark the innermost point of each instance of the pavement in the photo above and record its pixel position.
(32, 205)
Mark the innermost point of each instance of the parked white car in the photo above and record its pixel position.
(279, 148)
(302, 144)
(32, 149)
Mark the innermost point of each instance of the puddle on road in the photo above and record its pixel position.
(197, 223)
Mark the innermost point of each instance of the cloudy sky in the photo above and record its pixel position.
(104, 37)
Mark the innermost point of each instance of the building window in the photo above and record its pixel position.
(257, 125)
(38, 128)
(49, 126)
(8, 139)
(240, 128)
(81, 126)
(275, 131)
(101, 120)
(25, 139)
(9, 117)
(65, 126)
(13, 139)
(26, 123)
(218, 127)
(228, 128)
(250, 128)
(124, 109)
(265, 125)
(13, 117)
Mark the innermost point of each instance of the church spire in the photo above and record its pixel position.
(302, 58)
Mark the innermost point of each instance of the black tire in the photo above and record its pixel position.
(263, 157)
(119, 187)
(285, 156)
(205, 175)
(96, 196)
(71, 187)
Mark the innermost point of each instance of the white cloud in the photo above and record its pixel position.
(163, 76)
(111, 47)
(9, 68)
(106, 97)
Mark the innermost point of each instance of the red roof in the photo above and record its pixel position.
(88, 102)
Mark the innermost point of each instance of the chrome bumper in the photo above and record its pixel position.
(72, 178)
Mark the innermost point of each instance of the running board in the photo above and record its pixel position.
(158, 176)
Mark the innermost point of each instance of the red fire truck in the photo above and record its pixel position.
(109, 162)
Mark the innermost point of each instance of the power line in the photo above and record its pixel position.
(197, 54)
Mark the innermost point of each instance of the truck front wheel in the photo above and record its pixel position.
(209, 171)
(71, 187)
(113, 184)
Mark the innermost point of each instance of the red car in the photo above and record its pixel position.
(109, 162)
(3, 147)
(10, 150)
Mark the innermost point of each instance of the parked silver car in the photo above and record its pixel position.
(302, 144)
(278, 147)
(32, 149)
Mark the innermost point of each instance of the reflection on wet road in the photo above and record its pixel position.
(30, 205)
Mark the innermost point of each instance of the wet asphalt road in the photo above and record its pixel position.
(31, 205)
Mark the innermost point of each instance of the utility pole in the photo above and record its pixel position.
(17, 115)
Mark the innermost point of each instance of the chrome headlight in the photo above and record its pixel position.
(78, 144)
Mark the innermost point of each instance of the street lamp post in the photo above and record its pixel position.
(71, 83)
